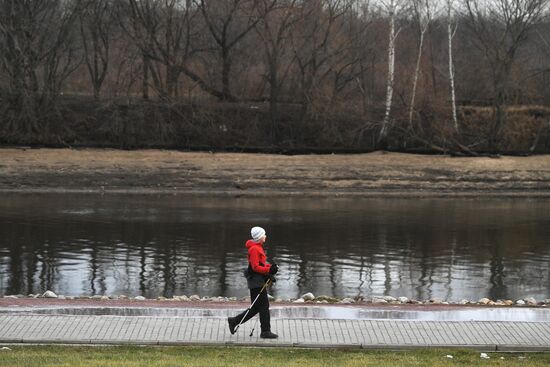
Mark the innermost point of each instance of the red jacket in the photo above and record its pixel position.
(257, 258)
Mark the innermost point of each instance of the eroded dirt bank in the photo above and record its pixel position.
(373, 174)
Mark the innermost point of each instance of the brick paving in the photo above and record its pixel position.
(315, 333)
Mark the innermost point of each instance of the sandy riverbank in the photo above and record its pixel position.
(373, 174)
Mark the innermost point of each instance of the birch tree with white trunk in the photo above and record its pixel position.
(391, 7)
(423, 13)
(452, 26)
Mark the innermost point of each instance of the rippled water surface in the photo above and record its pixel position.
(172, 245)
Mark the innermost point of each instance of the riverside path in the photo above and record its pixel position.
(163, 329)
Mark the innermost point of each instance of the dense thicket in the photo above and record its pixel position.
(462, 76)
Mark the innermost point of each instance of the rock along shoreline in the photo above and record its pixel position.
(307, 298)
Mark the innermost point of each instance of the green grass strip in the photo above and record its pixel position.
(75, 356)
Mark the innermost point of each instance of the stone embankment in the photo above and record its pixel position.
(307, 298)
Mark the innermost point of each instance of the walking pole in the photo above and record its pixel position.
(252, 305)
(255, 323)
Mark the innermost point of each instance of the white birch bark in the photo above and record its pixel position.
(392, 7)
(423, 11)
(451, 31)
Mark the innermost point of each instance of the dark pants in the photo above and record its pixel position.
(261, 306)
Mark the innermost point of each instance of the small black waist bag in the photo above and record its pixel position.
(254, 280)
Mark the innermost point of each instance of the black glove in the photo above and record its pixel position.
(273, 269)
(272, 278)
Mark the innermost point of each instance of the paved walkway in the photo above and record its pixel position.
(393, 334)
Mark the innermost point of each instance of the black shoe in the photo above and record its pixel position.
(232, 324)
(268, 335)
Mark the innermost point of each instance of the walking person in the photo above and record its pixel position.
(258, 275)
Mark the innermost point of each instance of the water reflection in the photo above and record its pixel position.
(170, 245)
(310, 312)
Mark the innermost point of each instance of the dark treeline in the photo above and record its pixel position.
(461, 76)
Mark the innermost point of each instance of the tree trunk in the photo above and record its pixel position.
(145, 79)
(273, 98)
(172, 75)
(433, 62)
(500, 102)
(226, 69)
(390, 77)
(415, 78)
(450, 36)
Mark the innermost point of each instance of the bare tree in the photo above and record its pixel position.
(366, 73)
(451, 32)
(38, 53)
(274, 29)
(229, 21)
(423, 14)
(351, 51)
(501, 27)
(314, 42)
(96, 31)
(166, 32)
(392, 7)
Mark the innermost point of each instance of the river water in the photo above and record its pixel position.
(172, 245)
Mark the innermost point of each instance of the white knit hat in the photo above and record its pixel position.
(257, 233)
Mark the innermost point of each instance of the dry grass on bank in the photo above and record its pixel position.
(81, 121)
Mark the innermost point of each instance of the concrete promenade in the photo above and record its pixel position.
(316, 333)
